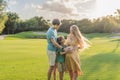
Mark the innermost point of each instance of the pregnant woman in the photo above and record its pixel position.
(72, 61)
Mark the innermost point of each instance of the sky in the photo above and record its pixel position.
(63, 9)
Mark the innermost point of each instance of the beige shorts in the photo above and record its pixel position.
(51, 57)
(61, 67)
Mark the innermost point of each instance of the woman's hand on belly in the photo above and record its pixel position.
(69, 49)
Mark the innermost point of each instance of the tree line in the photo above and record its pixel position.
(10, 23)
(106, 24)
(14, 24)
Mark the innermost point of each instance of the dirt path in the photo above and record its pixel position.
(2, 37)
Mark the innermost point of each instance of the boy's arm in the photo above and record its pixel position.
(62, 53)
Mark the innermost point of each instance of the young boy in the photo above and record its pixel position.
(60, 59)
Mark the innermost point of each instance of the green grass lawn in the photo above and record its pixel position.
(26, 59)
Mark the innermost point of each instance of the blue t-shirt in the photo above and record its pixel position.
(51, 33)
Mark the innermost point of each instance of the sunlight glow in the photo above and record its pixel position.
(105, 7)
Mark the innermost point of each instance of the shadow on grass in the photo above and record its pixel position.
(31, 35)
(97, 35)
(117, 45)
(101, 67)
(116, 40)
(26, 36)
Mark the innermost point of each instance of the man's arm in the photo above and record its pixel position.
(55, 43)
(70, 49)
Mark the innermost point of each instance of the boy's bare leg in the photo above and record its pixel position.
(61, 75)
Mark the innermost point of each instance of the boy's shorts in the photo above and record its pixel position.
(51, 57)
(61, 67)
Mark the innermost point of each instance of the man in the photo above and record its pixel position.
(52, 45)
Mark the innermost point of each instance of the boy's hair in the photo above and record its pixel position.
(56, 22)
(59, 39)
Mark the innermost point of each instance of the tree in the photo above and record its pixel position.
(11, 23)
(65, 27)
(3, 16)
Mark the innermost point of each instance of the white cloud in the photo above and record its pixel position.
(69, 8)
(63, 9)
(12, 2)
(27, 6)
(36, 6)
(60, 6)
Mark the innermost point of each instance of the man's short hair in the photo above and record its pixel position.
(56, 22)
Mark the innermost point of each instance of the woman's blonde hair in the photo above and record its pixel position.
(82, 41)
